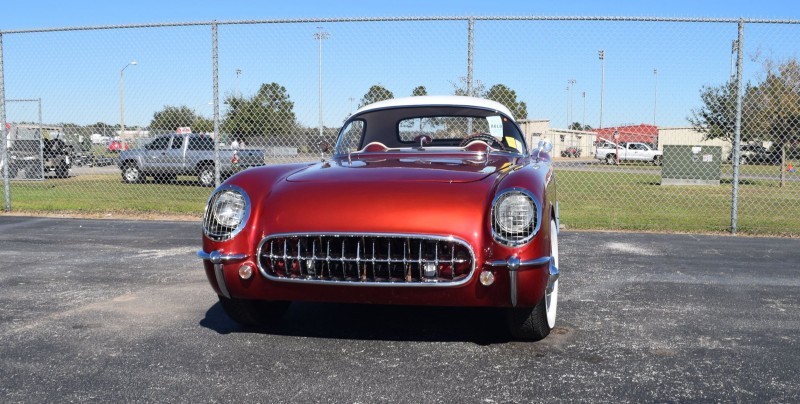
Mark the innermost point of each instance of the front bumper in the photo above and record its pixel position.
(515, 265)
(516, 269)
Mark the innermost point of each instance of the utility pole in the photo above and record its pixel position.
(583, 121)
(570, 82)
(655, 95)
(320, 35)
(602, 55)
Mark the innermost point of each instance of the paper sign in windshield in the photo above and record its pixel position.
(495, 126)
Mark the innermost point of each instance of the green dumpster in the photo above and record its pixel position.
(691, 165)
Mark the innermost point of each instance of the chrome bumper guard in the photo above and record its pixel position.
(216, 257)
(514, 265)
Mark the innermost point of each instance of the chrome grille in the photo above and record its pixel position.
(370, 259)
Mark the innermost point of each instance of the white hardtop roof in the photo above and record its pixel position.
(438, 100)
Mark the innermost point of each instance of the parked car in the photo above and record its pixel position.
(425, 201)
(116, 146)
(168, 156)
(571, 151)
(631, 151)
(756, 154)
(38, 158)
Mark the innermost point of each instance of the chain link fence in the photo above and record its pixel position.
(658, 124)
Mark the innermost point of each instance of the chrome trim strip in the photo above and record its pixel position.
(218, 273)
(551, 280)
(217, 256)
(522, 264)
(431, 283)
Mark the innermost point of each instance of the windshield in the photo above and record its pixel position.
(441, 127)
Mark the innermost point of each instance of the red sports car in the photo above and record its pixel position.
(424, 201)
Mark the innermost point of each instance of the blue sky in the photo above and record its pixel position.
(77, 73)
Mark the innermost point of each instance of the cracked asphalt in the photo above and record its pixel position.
(103, 310)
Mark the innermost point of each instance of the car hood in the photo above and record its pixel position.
(394, 169)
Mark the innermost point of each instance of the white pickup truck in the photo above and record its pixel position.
(631, 151)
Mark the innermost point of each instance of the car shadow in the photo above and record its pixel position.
(482, 326)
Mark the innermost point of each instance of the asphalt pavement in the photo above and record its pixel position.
(104, 310)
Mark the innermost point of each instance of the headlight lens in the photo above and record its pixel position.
(226, 213)
(514, 217)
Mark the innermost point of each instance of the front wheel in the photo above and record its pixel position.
(611, 159)
(657, 161)
(535, 324)
(253, 312)
(206, 176)
(131, 174)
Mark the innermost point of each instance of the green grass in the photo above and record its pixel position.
(588, 200)
(94, 194)
(622, 201)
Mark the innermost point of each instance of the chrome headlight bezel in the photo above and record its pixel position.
(515, 237)
(213, 218)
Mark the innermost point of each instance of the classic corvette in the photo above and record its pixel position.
(432, 200)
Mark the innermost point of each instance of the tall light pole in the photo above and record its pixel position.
(122, 97)
(583, 121)
(320, 35)
(571, 83)
(238, 73)
(655, 95)
(602, 55)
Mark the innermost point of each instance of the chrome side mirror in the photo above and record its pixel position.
(543, 146)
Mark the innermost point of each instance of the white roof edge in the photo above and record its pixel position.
(437, 100)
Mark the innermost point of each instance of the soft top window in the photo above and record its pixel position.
(446, 126)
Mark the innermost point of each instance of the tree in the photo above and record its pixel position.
(578, 126)
(419, 91)
(508, 97)
(376, 93)
(778, 112)
(267, 114)
(770, 109)
(461, 88)
(171, 118)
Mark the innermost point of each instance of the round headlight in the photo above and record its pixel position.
(514, 217)
(228, 208)
(226, 213)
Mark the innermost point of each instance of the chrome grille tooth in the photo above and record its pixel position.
(436, 260)
(286, 266)
(373, 261)
(271, 255)
(452, 261)
(344, 262)
(314, 257)
(299, 256)
(421, 275)
(328, 260)
(389, 254)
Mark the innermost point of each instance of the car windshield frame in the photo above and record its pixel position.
(383, 126)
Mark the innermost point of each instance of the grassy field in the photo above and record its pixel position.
(588, 200)
(96, 194)
(620, 201)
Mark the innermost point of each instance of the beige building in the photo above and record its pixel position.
(688, 136)
(562, 139)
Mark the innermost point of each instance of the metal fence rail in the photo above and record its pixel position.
(659, 123)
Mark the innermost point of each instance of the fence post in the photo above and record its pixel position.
(738, 130)
(3, 148)
(470, 50)
(215, 59)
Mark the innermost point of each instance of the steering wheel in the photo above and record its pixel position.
(485, 138)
